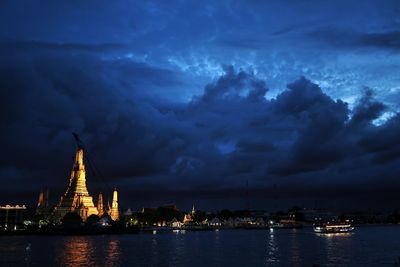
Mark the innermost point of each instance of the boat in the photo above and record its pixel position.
(333, 227)
(285, 224)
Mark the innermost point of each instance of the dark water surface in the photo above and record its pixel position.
(368, 246)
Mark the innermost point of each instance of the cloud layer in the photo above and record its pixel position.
(229, 135)
(192, 97)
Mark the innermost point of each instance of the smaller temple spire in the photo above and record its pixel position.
(193, 210)
(100, 207)
(41, 199)
(114, 213)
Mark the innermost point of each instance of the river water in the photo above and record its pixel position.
(367, 246)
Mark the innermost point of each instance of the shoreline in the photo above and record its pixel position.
(150, 230)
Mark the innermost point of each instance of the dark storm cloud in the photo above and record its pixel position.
(319, 120)
(144, 85)
(232, 83)
(227, 135)
(367, 108)
(46, 97)
(299, 134)
(382, 143)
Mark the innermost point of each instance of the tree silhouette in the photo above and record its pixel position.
(71, 220)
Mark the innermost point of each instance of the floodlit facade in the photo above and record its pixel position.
(77, 198)
(100, 206)
(114, 212)
(188, 218)
(11, 217)
(43, 201)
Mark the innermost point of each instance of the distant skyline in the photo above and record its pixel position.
(186, 102)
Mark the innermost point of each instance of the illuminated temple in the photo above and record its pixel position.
(113, 211)
(77, 198)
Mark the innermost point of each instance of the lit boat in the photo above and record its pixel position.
(329, 228)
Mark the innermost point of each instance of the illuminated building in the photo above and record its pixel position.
(188, 218)
(43, 201)
(43, 209)
(114, 213)
(215, 222)
(11, 217)
(100, 207)
(77, 198)
(175, 223)
(193, 210)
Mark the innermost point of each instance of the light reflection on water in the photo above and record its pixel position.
(272, 248)
(336, 245)
(177, 249)
(154, 251)
(113, 253)
(295, 249)
(75, 251)
(332, 235)
(85, 251)
(369, 246)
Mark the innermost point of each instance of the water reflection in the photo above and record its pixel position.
(88, 251)
(368, 246)
(77, 251)
(331, 235)
(11, 244)
(336, 246)
(113, 253)
(295, 249)
(177, 249)
(154, 251)
(272, 248)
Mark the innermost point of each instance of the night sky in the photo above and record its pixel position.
(190, 101)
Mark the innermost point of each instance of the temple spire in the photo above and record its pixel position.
(100, 207)
(41, 199)
(78, 175)
(76, 197)
(114, 206)
(193, 210)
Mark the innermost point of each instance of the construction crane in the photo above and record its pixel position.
(78, 141)
(94, 170)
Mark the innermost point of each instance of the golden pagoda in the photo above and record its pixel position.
(77, 198)
(114, 212)
(100, 207)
